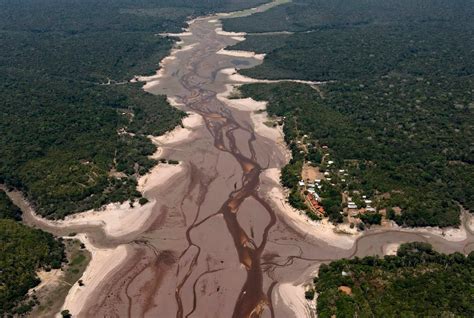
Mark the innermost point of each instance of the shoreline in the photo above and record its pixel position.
(118, 220)
(129, 220)
(98, 269)
(322, 230)
(277, 194)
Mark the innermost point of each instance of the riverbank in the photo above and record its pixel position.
(196, 247)
(103, 262)
(56, 284)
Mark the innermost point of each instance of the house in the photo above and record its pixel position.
(330, 162)
(311, 190)
(370, 209)
(317, 181)
(368, 202)
(301, 183)
(351, 205)
(326, 173)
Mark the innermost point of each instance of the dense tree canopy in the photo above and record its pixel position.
(22, 252)
(68, 140)
(398, 105)
(7, 209)
(418, 282)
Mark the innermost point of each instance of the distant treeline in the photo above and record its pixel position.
(69, 142)
(399, 103)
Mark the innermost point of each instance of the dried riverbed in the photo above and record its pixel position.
(219, 239)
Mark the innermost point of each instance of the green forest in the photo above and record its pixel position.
(23, 251)
(417, 282)
(396, 106)
(7, 209)
(65, 138)
(73, 129)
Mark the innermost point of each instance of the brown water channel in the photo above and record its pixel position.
(216, 245)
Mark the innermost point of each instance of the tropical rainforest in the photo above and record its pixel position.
(395, 105)
(73, 128)
(23, 251)
(417, 282)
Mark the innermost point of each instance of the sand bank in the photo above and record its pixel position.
(293, 297)
(119, 219)
(178, 35)
(322, 230)
(231, 34)
(391, 249)
(235, 77)
(180, 133)
(245, 54)
(153, 80)
(102, 263)
(449, 234)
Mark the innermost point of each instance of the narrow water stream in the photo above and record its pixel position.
(217, 243)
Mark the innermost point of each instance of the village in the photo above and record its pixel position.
(326, 191)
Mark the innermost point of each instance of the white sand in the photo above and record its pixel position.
(103, 262)
(178, 35)
(117, 219)
(293, 298)
(244, 104)
(322, 230)
(173, 101)
(449, 234)
(48, 278)
(391, 249)
(225, 33)
(259, 117)
(238, 38)
(245, 54)
(235, 77)
(291, 294)
(153, 80)
(180, 134)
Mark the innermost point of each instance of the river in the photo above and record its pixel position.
(218, 242)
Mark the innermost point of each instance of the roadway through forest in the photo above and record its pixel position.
(218, 244)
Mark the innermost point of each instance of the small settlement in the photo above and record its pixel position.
(326, 188)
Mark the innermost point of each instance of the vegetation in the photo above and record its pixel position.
(22, 252)
(7, 209)
(73, 128)
(51, 299)
(371, 218)
(398, 110)
(417, 282)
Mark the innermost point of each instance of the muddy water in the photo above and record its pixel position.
(216, 245)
